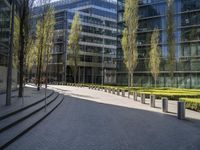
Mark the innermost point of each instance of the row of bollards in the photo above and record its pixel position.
(75, 85)
(164, 100)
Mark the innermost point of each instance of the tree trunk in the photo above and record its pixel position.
(75, 76)
(155, 79)
(128, 81)
(172, 81)
(132, 79)
(39, 70)
(9, 69)
(46, 76)
(21, 52)
(79, 75)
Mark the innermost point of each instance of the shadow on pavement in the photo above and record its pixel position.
(81, 124)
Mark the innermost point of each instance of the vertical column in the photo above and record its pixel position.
(9, 71)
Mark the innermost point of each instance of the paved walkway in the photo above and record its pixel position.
(31, 95)
(94, 120)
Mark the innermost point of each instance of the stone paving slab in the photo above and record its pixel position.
(93, 120)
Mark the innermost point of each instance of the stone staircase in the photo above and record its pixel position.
(17, 122)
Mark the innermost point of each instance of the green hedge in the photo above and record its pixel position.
(192, 103)
(171, 93)
(190, 96)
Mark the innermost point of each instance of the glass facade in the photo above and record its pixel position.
(152, 14)
(4, 31)
(97, 40)
(5, 19)
(4, 41)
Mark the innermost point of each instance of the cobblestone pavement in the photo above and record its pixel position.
(93, 120)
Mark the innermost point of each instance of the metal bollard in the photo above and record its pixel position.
(135, 96)
(123, 93)
(164, 104)
(181, 110)
(143, 98)
(152, 100)
(113, 91)
(128, 94)
(118, 92)
(105, 90)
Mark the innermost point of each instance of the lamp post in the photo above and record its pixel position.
(84, 65)
(102, 63)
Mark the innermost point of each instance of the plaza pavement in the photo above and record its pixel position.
(95, 120)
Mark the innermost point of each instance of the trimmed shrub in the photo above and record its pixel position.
(192, 103)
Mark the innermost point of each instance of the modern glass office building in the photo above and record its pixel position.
(97, 40)
(5, 21)
(152, 14)
(4, 31)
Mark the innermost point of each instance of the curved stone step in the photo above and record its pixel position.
(17, 118)
(4, 116)
(12, 134)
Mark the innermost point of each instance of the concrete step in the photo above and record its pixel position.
(17, 110)
(10, 121)
(12, 134)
